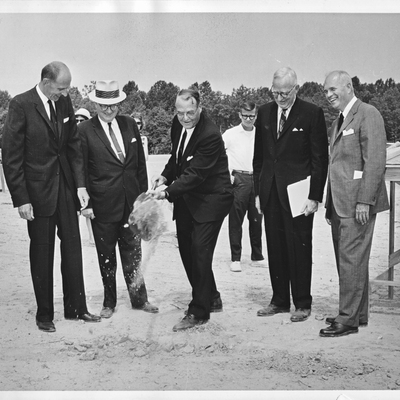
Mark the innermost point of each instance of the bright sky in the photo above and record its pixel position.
(228, 43)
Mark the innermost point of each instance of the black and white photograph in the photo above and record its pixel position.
(199, 199)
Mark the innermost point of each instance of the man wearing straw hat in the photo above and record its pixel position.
(116, 175)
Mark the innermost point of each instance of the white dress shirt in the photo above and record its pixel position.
(117, 132)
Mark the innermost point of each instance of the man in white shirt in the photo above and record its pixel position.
(239, 145)
(116, 174)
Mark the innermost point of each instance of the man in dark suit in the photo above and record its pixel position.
(291, 144)
(199, 185)
(43, 165)
(116, 174)
(356, 193)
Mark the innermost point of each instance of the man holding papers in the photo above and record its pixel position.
(356, 193)
(291, 144)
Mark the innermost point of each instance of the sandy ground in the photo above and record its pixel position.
(236, 351)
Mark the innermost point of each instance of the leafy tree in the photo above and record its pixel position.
(157, 130)
(76, 97)
(163, 95)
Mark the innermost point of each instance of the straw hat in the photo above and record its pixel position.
(107, 92)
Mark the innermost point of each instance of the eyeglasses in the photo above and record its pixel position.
(282, 94)
(112, 107)
(80, 119)
(250, 117)
(189, 114)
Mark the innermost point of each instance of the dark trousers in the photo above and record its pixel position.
(196, 246)
(106, 236)
(244, 201)
(42, 236)
(289, 242)
(352, 244)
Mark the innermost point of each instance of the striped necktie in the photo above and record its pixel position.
(116, 144)
(282, 122)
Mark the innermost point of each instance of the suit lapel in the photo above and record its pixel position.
(193, 139)
(102, 136)
(347, 120)
(274, 121)
(42, 111)
(293, 116)
(126, 135)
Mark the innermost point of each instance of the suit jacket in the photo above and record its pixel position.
(357, 162)
(300, 151)
(111, 183)
(34, 157)
(203, 180)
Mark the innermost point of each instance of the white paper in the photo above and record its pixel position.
(298, 194)
(357, 174)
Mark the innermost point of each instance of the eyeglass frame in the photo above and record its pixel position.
(284, 95)
(248, 117)
(80, 119)
(105, 107)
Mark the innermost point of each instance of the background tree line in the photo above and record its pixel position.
(156, 107)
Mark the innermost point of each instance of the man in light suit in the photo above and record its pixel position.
(291, 144)
(116, 174)
(356, 193)
(199, 185)
(43, 165)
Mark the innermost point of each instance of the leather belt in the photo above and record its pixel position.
(237, 171)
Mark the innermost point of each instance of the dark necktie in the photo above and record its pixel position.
(282, 122)
(341, 118)
(53, 117)
(116, 144)
(181, 146)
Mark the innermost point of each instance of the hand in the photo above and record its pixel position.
(328, 221)
(159, 181)
(258, 204)
(362, 213)
(26, 212)
(88, 213)
(83, 197)
(232, 179)
(309, 207)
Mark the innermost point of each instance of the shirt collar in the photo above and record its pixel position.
(348, 107)
(42, 96)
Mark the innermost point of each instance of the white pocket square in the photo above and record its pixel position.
(301, 129)
(349, 132)
(357, 175)
(189, 158)
(133, 140)
(295, 130)
(66, 120)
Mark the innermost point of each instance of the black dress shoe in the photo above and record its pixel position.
(188, 321)
(87, 317)
(46, 326)
(336, 330)
(272, 309)
(216, 305)
(331, 320)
